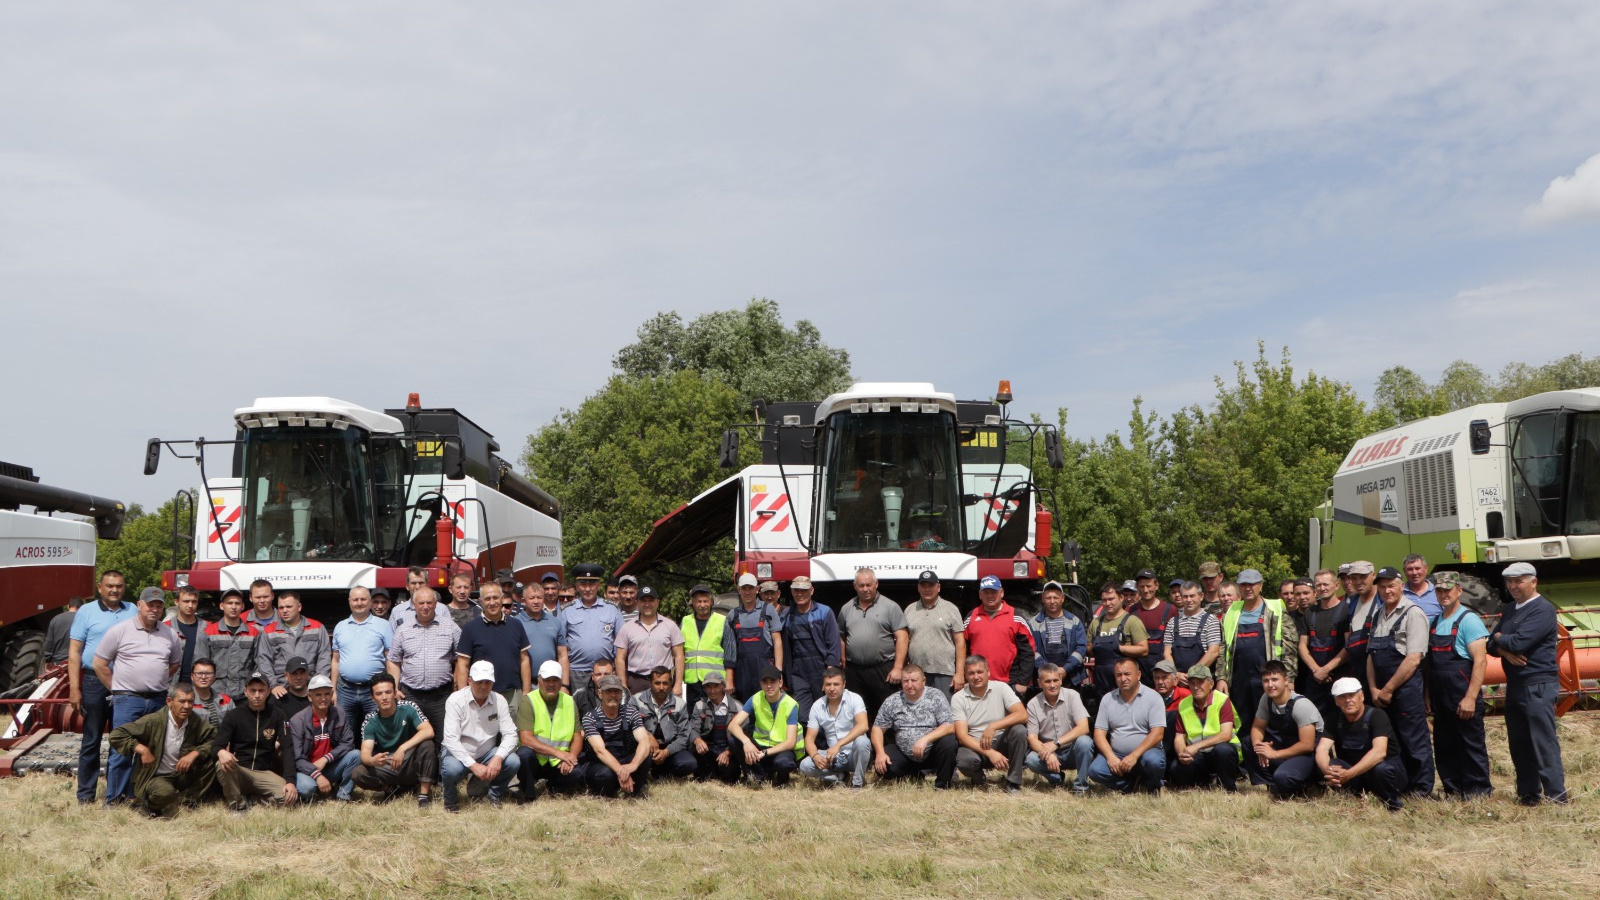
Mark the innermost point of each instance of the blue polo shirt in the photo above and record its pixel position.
(591, 633)
(500, 643)
(545, 634)
(1427, 600)
(362, 647)
(91, 624)
(1471, 629)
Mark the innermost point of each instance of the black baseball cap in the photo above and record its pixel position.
(1387, 572)
(928, 576)
(701, 589)
(648, 591)
(1145, 573)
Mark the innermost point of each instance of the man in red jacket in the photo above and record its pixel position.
(996, 633)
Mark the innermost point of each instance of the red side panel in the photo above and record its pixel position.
(26, 591)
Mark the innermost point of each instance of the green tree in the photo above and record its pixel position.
(748, 349)
(1404, 396)
(1462, 385)
(143, 551)
(1519, 380)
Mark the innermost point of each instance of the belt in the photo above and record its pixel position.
(143, 695)
(365, 684)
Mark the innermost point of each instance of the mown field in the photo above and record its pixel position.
(808, 844)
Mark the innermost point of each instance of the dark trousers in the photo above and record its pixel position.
(431, 702)
(638, 684)
(1531, 734)
(421, 766)
(125, 708)
(532, 771)
(681, 764)
(804, 676)
(941, 683)
(1386, 780)
(708, 767)
(601, 780)
(940, 759)
(1408, 712)
(162, 792)
(96, 718)
(1246, 694)
(776, 767)
(872, 683)
(1219, 761)
(1460, 751)
(1012, 743)
(1292, 777)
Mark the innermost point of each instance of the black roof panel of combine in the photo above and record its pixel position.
(478, 446)
(12, 470)
(971, 412)
(789, 446)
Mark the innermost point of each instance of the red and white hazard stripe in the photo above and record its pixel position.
(769, 510)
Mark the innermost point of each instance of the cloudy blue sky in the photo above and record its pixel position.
(201, 204)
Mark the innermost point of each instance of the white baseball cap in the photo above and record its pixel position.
(1346, 686)
(549, 669)
(319, 681)
(748, 579)
(482, 670)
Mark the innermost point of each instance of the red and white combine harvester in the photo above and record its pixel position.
(322, 496)
(896, 477)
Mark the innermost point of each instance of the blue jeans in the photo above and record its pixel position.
(855, 759)
(356, 704)
(338, 772)
(1146, 774)
(96, 716)
(119, 769)
(454, 772)
(1077, 756)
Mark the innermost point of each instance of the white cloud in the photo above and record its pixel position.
(1570, 198)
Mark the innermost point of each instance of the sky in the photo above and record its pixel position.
(202, 204)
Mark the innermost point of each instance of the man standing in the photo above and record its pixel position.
(1254, 633)
(995, 633)
(171, 753)
(836, 734)
(1399, 640)
(360, 648)
(1418, 590)
(1194, 636)
(1211, 587)
(710, 719)
(510, 593)
(1058, 731)
(1154, 613)
(461, 607)
(479, 738)
(211, 704)
(184, 619)
(254, 756)
(136, 659)
(1114, 635)
(875, 642)
(1128, 730)
(382, 603)
(1525, 641)
(1284, 735)
(1059, 639)
(293, 635)
(547, 633)
(397, 747)
(297, 684)
(495, 638)
(619, 745)
(991, 726)
(58, 634)
(1358, 752)
(551, 583)
(648, 643)
(230, 643)
(324, 746)
(667, 720)
(627, 599)
(1205, 745)
(924, 733)
(708, 644)
(757, 636)
(1364, 605)
(592, 626)
(1322, 650)
(1457, 657)
(416, 580)
(423, 658)
(811, 644)
(263, 604)
(547, 726)
(768, 728)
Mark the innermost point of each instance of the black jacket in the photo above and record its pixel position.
(259, 739)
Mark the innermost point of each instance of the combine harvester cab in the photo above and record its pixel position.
(896, 477)
(1475, 490)
(323, 495)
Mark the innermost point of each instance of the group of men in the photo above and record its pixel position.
(1319, 689)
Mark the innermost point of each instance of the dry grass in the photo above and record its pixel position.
(718, 842)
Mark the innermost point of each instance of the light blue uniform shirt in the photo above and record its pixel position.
(545, 634)
(591, 633)
(362, 647)
(1472, 629)
(91, 624)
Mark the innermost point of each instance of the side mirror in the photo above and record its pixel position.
(1052, 449)
(1071, 551)
(152, 455)
(454, 467)
(729, 452)
(1478, 433)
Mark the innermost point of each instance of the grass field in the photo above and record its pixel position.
(890, 842)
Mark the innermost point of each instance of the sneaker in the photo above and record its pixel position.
(239, 807)
(424, 801)
(495, 802)
(1013, 788)
(449, 807)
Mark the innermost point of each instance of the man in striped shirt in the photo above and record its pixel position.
(1194, 636)
(423, 657)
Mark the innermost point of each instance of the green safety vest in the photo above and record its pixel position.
(772, 726)
(559, 732)
(702, 650)
(1195, 730)
(1230, 627)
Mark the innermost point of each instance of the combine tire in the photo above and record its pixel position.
(1479, 595)
(22, 659)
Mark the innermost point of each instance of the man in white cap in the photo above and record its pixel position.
(811, 644)
(758, 638)
(549, 728)
(1525, 641)
(1358, 751)
(324, 745)
(479, 738)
